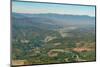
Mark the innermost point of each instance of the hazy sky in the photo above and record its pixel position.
(31, 7)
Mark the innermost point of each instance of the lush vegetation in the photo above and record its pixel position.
(38, 42)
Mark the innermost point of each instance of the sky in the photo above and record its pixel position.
(35, 8)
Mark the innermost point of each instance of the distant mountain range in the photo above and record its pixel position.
(50, 20)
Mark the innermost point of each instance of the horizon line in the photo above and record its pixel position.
(54, 13)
